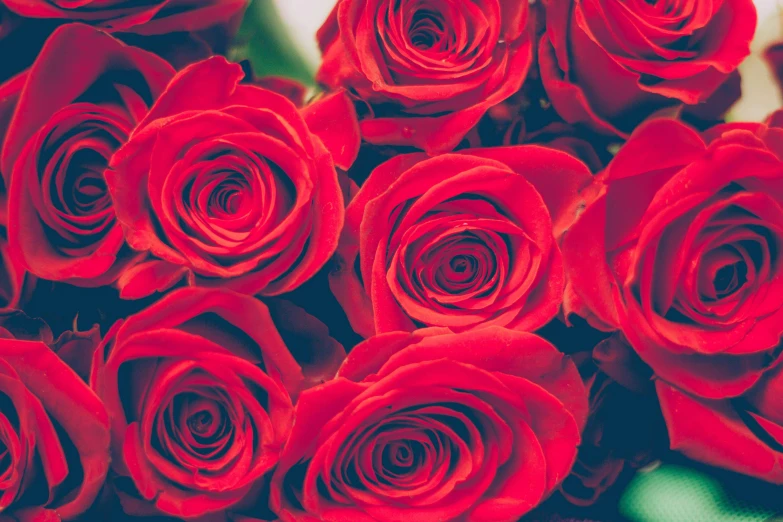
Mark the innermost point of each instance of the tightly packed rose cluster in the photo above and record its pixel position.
(499, 252)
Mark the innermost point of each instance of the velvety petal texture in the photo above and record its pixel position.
(200, 387)
(433, 425)
(54, 431)
(427, 70)
(682, 252)
(609, 64)
(744, 434)
(138, 16)
(229, 184)
(60, 217)
(459, 241)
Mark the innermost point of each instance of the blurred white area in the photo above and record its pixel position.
(760, 94)
(303, 18)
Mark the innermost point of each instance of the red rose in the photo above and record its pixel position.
(744, 434)
(433, 425)
(459, 240)
(230, 184)
(145, 17)
(199, 387)
(609, 64)
(64, 129)
(9, 95)
(681, 251)
(54, 431)
(427, 69)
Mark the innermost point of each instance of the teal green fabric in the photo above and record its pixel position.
(674, 493)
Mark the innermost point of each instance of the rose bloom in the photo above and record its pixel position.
(460, 240)
(744, 435)
(54, 431)
(200, 387)
(9, 95)
(610, 64)
(433, 425)
(231, 185)
(145, 17)
(427, 70)
(682, 253)
(63, 130)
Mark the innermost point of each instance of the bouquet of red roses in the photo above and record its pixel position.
(493, 252)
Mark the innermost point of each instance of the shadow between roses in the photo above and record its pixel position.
(410, 296)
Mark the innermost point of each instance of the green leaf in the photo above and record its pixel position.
(264, 41)
(673, 492)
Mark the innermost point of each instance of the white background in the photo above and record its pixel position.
(760, 96)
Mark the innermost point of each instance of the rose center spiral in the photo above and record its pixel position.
(427, 29)
(729, 278)
(203, 418)
(398, 456)
(85, 184)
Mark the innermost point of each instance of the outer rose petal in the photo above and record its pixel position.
(163, 16)
(343, 280)
(333, 119)
(148, 277)
(591, 45)
(9, 96)
(560, 178)
(711, 431)
(520, 354)
(591, 291)
(37, 101)
(75, 407)
(383, 370)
